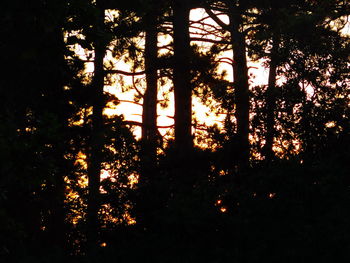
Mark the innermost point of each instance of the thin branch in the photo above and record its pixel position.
(206, 31)
(205, 25)
(167, 46)
(217, 19)
(217, 7)
(126, 73)
(166, 127)
(209, 40)
(199, 21)
(140, 124)
(130, 101)
(134, 85)
(226, 58)
(223, 60)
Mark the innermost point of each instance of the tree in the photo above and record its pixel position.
(35, 133)
(181, 78)
(235, 12)
(312, 19)
(96, 138)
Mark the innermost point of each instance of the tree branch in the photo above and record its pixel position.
(126, 73)
(217, 19)
(140, 124)
(209, 40)
(130, 101)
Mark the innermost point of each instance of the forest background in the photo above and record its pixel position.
(243, 171)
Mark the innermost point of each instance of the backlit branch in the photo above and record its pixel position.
(126, 73)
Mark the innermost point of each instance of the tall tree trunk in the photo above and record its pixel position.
(181, 78)
(149, 114)
(96, 138)
(147, 203)
(271, 102)
(241, 85)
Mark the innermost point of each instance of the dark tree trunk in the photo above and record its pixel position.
(96, 138)
(149, 114)
(181, 78)
(241, 85)
(271, 103)
(146, 202)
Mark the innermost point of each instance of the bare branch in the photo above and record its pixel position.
(217, 19)
(209, 40)
(199, 21)
(130, 101)
(140, 124)
(126, 73)
(134, 85)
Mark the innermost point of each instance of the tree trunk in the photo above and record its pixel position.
(146, 202)
(149, 114)
(96, 138)
(271, 102)
(181, 78)
(241, 85)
